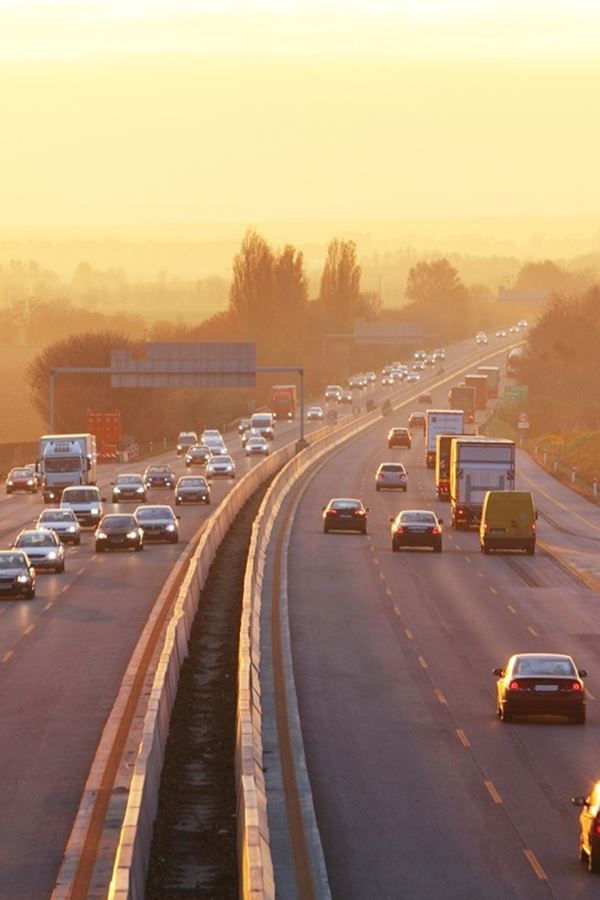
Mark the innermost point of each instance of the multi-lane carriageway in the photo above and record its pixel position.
(419, 790)
(62, 657)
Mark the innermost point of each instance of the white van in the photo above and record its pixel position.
(264, 423)
(86, 503)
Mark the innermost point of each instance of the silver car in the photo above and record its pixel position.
(43, 547)
(17, 575)
(257, 446)
(315, 412)
(391, 475)
(220, 467)
(63, 522)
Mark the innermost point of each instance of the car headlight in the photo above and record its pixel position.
(170, 527)
(101, 535)
(30, 481)
(23, 579)
(72, 528)
(132, 535)
(53, 554)
(117, 490)
(94, 511)
(10, 481)
(139, 490)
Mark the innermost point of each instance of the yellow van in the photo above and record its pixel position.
(508, 521)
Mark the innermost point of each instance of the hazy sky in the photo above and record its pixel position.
(123, 111)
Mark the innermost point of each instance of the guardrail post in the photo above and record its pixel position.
(595, 488)
(573, 475)
(545, 456)
(535, 449)
(555, 464)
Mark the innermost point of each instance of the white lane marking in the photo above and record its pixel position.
(462, 737)
(480, 574)
(29, 629)
(493, 792)
(422, 662)
(48, 605)
(388, 592)
(532, 631)
(7, 656)
(466, 559)
(512, 610)
(408, 634)
(440, 696)
(535, 864)
(493, 590)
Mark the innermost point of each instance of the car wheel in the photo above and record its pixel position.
(376, 487)
(505, 713)
(579, 719)
(437, 548)
(99, 549)
(405, 488)
(363, 530)
(139, 547)
(395, 547)
(593, 861)
(78, 542)
(178, 503)
(484, 548)
(325, 529)
(530, 550)
(174, 540)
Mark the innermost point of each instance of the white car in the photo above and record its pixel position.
(257, 446)
(481, 337)
(63, 522)
(220, 467)
(315, 412)
(215, 444)
(333, 391)
(413, 376)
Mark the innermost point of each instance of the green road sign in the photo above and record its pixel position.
(516, 393)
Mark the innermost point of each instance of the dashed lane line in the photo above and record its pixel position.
(408, 634)
(7, 656)
(440, 696)
(29, 629)
(532, 631)
(462, 737)
(512, 610)
(422, 662)
(535, 864)
(493, 792)
(48, 605)
(493, 590)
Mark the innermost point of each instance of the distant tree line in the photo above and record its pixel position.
(269, 304)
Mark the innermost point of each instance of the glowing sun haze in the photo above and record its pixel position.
(183, 111)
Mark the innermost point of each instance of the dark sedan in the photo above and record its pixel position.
(119, 532)
(129, 487)
(17, 575)
(197, 455)
(21, 480)
(159, 523)
(540, 684)
(345, 514)
(192, 489)
(159, 476)
(416, 528)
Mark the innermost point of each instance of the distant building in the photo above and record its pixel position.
(508, 295)
(366, 332)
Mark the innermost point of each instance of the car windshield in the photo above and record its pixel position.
(418, 518)
(58, 515)
(345, 504)
(67, 464)
(392, 467)
(82, 496)
(544, 666)
(128, 479)
(36, 539)
(159, 470)
(153, 513)
(223, 460)
(20, 473)
(118, 522)
(12, 561)
(192, 482)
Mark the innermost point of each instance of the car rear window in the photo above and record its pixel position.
(81, 496)
(345, 504)
(422, 517)
(544, 666)
(392, 467)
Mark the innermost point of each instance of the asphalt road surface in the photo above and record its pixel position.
(420, 791)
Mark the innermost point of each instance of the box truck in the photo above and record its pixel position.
(442, 465)
(463, 397)
(440, 421)
(480, 383)
(493, 379)
(65, 460)
(478, 465)
(283, 401)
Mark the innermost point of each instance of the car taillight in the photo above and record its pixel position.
(575, 686)
(436, 530)
(359, 512)
(515, 686)
(398, 529)
(380, 474)
(533, 527)
(331, 512)
(597, 824)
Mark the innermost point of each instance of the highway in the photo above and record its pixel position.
(62, 658)
(420, 791)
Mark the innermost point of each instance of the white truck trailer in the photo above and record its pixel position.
(65, 460)
(477, 465)
(440, 421)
